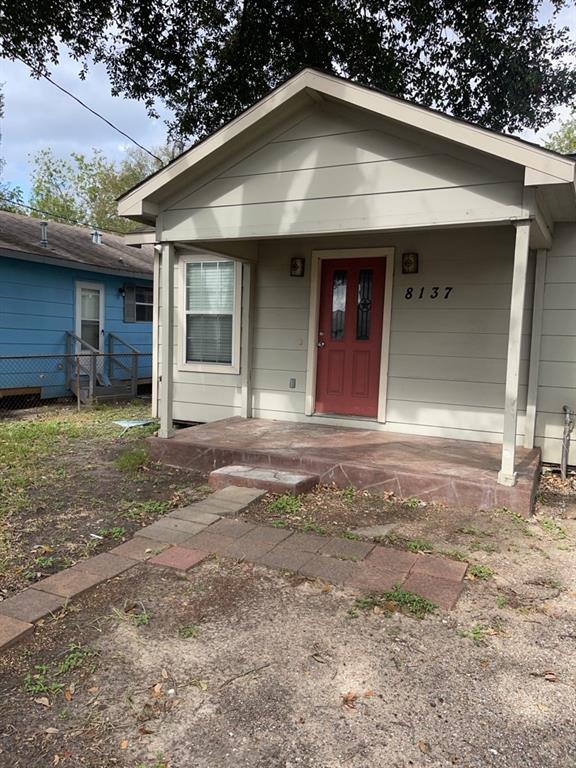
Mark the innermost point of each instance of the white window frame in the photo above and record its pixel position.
(184, 365)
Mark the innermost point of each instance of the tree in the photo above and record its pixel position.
(491, 61)
(84, 188)
(564, 139)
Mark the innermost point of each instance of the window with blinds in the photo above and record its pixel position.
(210, 299)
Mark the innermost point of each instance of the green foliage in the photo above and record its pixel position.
(132, 459)
(507, 65)
(39, 681)
(192, 630)
(282, 522)
(312, 527)
(115, 533)
(42, 679)
(480, 572)
(285, 505)
(553, 528)
(75, 658)
(397, 599)
(563, 140)
(419, 545)
(139, 510)
(453, 554)
(84, 188)
(349, 494)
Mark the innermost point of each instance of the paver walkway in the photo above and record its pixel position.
(188, 535)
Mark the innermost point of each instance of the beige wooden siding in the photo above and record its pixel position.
(337, 172)
(557, 378)
(447, 358)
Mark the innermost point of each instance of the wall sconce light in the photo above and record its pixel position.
(297, 266)
(122, 291)
(410, 263)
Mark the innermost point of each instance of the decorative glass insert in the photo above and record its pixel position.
(339, 303)
(364, 309)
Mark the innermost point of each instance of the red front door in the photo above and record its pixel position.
(350, 336)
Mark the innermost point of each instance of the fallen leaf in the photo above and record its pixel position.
(44, 700)
(424, 747)
(124, 744)
(349, 699)
(327, 588)
(69, 694)
(369, 693)
(94, 689)
(319, 658)
(157, 691)
(144, 730)
(56, 760)
(51, 730)
(165, 674)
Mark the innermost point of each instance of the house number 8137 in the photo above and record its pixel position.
(435, 292)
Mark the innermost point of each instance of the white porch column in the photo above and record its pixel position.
(166, 317)
(246, 339)
(507, 474)
(535, 344)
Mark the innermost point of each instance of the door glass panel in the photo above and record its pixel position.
(90, 304)
(339, 303)
(364, 309)
(91, 333)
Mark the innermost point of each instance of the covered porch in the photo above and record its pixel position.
(438, 470)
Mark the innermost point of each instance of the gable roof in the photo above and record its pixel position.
(542, 166)
(72, 246)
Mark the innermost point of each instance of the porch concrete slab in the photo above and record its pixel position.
(12, 631)
(327, 569)
(107, 565)
(31, 605)
(269, 478)
(442, 592)
(456, 472)
(440, 567)
(179, 558)
(238, 494)
(69, 583)
(140, 548)
(194, 515)
(346, 549)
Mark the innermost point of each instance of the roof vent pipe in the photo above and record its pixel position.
(97, 237)
(44, 234)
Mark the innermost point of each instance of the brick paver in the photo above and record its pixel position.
(306, 542)
(233, 529)
(194, 515)
(440, 591)
(347, 549)
(209, 542)
(327, 569)
(167, 534)
(285, 558)
(441, 567)
(179, 558)
(140, 548)
(106, 565)
(31, 605)
(373, 577)
(267, 535)
(69, 583)
(392, 559)
(13, 631)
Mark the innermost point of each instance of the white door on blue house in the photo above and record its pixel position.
(90, 314)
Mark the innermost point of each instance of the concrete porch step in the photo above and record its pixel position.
(268, 478)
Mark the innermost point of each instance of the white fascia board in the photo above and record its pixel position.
(314, 83)
(140, 238)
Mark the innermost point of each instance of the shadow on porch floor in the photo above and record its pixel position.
(454, 472)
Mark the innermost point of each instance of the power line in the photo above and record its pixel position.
(57, 216)
(38, 73)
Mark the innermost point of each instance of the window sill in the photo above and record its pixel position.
(209, 368)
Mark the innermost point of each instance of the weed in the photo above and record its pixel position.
(314, 528)
(132, 460)
(478, 546)
(39, 681)
(351, 535)
(413, 502)
(453, 554)
(116, 533)
(478, 634)
(518, 519)
(349, 494)
(192, 630)
(285, 505)
(282, 522)
(74, 659)
(397, 599)
(480, 572)
(419, 545)
(502, 602)
(139, 510)
(142, 619)
(133, 613)
(552, 528)
(469, 531)
(45, 561)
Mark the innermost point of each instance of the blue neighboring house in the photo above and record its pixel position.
(76, 307)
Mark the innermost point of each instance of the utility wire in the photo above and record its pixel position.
(15, 204)
(38, 73)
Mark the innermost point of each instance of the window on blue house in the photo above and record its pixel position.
(138, 303)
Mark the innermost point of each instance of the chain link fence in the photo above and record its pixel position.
(30, 381)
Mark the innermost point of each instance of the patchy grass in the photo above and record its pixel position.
(397, 599)
(285, 505)
(192, 630)
(480, 572)
(132, 460)
(140, 510)
(419, 545)
(552, 528)
(117, 533)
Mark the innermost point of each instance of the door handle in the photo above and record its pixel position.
(321, 344)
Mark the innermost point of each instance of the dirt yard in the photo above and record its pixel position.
(240, 666)
(72, 485)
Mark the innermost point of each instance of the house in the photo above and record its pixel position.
(68, 293)
(339, 256)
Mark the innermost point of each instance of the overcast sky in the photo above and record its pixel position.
(38, 115)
